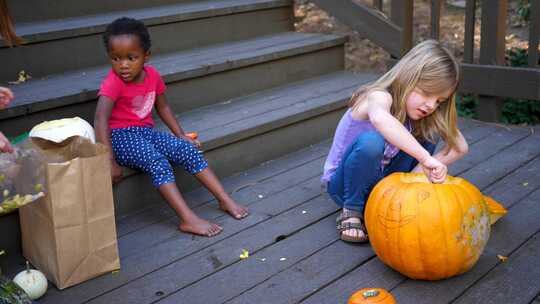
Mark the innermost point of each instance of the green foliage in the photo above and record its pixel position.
(520, 111)
(514, 111)
(517, 57)
(466, 105)
(524, 10)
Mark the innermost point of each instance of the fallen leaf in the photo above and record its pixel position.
(525, 184)
(244, 254)
(260, 196)
(23, 77)
(283, 259)
(304, 211)
(115, 272)
(502, 258)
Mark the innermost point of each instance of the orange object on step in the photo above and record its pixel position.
(192, 135)
(371, 295)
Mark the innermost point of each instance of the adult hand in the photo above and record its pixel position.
(5, 145)
(5, 97)
(435, 170)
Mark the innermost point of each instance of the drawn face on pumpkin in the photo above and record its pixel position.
(427, 231)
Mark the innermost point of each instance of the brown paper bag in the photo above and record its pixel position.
(70, 234)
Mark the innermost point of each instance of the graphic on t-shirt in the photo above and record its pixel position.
(142, 105)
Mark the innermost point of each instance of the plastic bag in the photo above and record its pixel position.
(22, 176)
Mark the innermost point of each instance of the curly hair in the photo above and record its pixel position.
(128, 26)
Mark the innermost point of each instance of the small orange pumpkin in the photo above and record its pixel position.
(192, 135)
(371, 296)
(424, 230)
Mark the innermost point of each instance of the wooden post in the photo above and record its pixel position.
(534, 32)
(436, 7)
(492, 48)
(470, 21)
(401, 13)
(378, 4)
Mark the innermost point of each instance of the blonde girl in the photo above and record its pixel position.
(393, 125)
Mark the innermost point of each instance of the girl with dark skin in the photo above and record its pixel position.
(128, 43)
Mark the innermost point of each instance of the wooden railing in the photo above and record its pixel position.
(486, 76)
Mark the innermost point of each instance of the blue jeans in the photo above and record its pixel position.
(360, 170)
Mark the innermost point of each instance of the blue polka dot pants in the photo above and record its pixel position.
(152, 151)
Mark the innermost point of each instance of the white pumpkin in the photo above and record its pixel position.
(32, 281)
(61, 129)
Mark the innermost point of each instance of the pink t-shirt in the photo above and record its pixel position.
(133, 102)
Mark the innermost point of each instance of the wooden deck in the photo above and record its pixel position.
(295, 254)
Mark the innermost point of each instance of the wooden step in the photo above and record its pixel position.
(241, 133)
(59, 45)
(33, 10)
(231, 69)
(277, 213)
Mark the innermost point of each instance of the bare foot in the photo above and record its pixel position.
(200, 227)
(235, 210)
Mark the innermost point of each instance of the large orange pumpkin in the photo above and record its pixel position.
(371, 296)
(427, 231)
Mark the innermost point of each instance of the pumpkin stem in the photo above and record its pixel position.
(27, 267)
(370, 293)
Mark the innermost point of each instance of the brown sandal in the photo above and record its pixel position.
(341, 226)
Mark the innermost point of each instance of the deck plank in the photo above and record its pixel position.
(181, 245)
(475, 130)
(508, 234)
(282, 285)
(503, 161)
(499, 243)
(372, 274)
(219, 257)
(295, 294)
(160, 232)
(233, 280)
(497, 140)
(246, 181)
(515, 281)
(339, 290)
(303, 278)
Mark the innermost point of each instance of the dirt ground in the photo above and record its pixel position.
(363, 55)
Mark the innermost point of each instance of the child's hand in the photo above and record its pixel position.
(116, 172)
(194, 142)
(5, 97)
(434, 170)
(5, 145)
